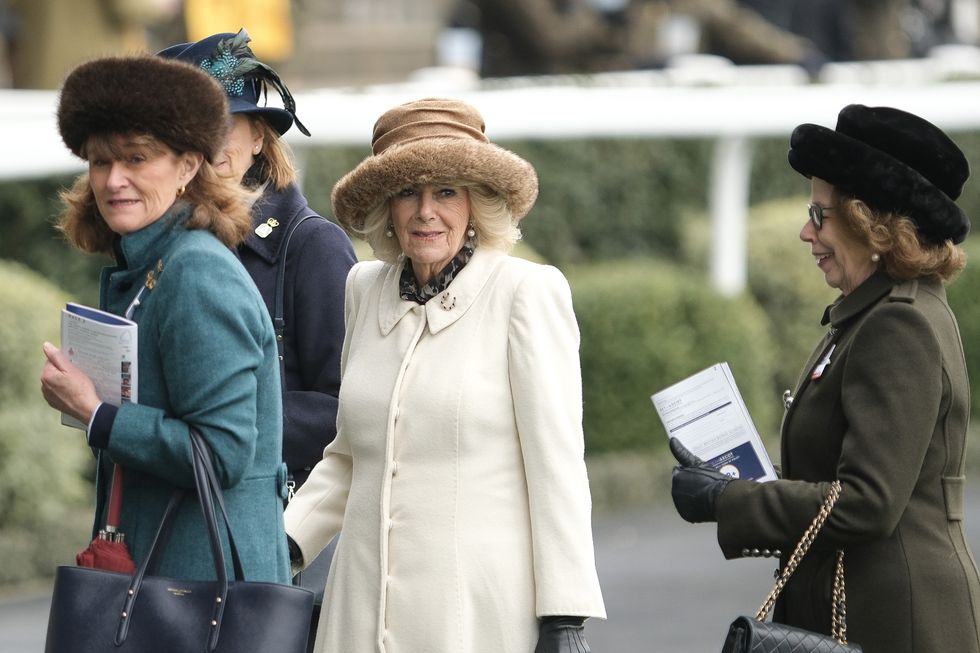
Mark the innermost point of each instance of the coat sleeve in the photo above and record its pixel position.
(318, 272)
(547, 393)
(891, 393)
(316, 513)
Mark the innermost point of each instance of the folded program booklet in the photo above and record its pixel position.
(707, 414)
(104, 346)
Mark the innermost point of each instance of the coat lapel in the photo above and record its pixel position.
(448, 306)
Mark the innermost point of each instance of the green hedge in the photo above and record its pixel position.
(647, 325)
(45, 468)
(29, 209)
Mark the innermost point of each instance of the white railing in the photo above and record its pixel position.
(733, 111)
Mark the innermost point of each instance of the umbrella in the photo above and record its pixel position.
(108, 549)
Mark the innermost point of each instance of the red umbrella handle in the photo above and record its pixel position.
(115, 499)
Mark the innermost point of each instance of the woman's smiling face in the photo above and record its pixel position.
(135, 179)
(430, 225)
(846, 262)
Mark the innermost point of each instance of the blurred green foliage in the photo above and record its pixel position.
(45, 468)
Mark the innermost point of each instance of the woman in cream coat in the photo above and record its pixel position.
(457, 474)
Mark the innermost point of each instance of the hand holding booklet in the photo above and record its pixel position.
(104, 346)
(707, 414)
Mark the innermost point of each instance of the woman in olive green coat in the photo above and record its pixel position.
(882, 404)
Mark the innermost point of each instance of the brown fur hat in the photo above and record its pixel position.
(427, 142)
(174, 101)
(893, 161)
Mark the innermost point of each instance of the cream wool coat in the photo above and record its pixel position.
(457, 473)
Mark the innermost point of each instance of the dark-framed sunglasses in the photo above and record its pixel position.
(816, 215)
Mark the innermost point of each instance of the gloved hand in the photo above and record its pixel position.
(562, 635)
(295, 555)
(695, 485)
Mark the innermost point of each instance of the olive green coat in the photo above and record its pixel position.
(888, 417)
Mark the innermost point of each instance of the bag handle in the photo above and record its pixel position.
(278, 321)
(209, 493)
(839, 599)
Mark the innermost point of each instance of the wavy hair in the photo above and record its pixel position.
(220, 206)
(895, 238)
(276, 158)
(493, 222)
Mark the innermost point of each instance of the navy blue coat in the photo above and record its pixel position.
(317, 261)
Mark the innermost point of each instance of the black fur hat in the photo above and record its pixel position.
(893, 161)
(174, 101)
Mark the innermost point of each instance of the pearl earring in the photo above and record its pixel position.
(390, 231)
(471, 232)
(875, 257)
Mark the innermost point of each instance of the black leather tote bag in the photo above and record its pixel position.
(96, 611)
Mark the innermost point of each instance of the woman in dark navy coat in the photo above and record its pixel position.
(317, 259)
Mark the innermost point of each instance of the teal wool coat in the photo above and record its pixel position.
(887, 415)
(207, 359)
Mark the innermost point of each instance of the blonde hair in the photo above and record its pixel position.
(220, 206)
(495, 225)
(276, 157)
(897, 241)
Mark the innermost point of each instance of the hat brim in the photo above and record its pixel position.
(279, 119)
(433, 160)
(881, 181)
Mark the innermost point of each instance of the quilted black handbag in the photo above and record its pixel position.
(756, 635)
(96, 611)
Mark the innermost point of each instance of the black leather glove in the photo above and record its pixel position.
(695, 485)
(562, 635)
(295, 555)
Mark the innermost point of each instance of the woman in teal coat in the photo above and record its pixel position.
(882, 405)
(149, 129)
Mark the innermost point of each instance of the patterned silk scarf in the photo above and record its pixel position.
(409, 285)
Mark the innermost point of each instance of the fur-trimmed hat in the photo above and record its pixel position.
(891, 160)
(172, 100)
(227, 58)
(427, 142)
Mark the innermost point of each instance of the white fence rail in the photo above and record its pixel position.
(611, 106)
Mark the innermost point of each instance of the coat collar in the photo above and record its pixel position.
(141, 248)
(847, 306)
(448, 306)
(282, 206)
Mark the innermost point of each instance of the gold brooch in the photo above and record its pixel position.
(266, 227)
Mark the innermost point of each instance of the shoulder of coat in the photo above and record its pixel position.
(905, 291)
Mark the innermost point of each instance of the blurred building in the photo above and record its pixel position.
(353, 42)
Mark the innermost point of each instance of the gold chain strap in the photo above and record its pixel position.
(839, 599)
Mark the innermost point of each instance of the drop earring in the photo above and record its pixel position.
(390, 231)
(471, 232)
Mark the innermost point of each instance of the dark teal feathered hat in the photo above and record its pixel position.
(228, 59)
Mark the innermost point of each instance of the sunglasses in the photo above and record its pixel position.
(816, 215)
